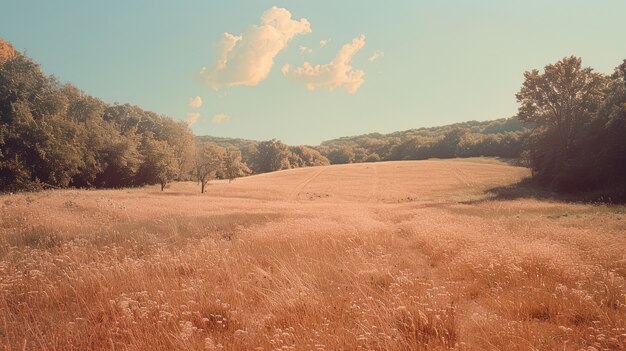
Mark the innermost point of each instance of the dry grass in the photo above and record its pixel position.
(387, 256)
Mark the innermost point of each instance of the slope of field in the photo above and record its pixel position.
(408, 255)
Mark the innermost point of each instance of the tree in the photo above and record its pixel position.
(558, 105)
(159, 164)
(208, 163)
(121, 160)
(180, 137)
(233, 165)
(304, 156)
(604, 155)
(54, 135)
(448, 146)
(341, 155)
(373, 157)
(272, 155)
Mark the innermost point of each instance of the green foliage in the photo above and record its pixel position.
(500, 138)
(578, 120)
(570, 128)
(53, 135)
(271, 155)
(341, 155)
(209, 163)
(159, 163)
(234, 167)
(304, 156)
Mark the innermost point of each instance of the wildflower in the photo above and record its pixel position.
(186, 330)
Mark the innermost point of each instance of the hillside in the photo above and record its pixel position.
(499, 138)
(412, 255)
(498, 126)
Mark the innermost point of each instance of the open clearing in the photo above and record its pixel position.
(378, 256)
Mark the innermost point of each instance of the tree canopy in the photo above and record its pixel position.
(578, 124)
(54, 135)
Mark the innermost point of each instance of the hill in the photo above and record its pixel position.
(499, 138)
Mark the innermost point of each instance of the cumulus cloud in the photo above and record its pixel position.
(336, 74)
(323, 42)
(376, 55)
(248, 59)
(304, 50)
(192, 118)
(219, 118)
(195, 102)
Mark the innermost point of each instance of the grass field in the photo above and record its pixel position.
(415, 255)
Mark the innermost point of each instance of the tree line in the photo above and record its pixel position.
(53, 135)
(570, 129)
(499, 138)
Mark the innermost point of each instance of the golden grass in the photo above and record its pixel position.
(385, 256)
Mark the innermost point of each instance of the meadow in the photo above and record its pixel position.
(411, 255)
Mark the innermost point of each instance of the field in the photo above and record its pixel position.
(415, 255)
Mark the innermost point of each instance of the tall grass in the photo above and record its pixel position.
(260, 264)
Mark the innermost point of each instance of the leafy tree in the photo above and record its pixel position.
(233, 165)
(159, 164)
(209, 163)
(604, 153)
(180, 138)
(54, 135)
(304, 156)
(559, 104)
(272, 155)
(341, 155)
(121, 159)
(447, 146)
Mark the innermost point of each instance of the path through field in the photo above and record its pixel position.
(411, 255)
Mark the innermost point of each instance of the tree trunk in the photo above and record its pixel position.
(203, 184)
(162, 186)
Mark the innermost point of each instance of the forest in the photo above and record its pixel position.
(570, 130)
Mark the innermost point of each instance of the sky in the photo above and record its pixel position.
(304, 71)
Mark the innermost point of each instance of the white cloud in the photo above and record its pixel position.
(324, 42)
(248, 59)
(336, 74)
(195, 102)
(219, 118)
(192, 118)
(376, 55)
(304, 50)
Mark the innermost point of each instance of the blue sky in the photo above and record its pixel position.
(444, 61)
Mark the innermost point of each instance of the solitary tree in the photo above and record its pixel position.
(208, 163)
